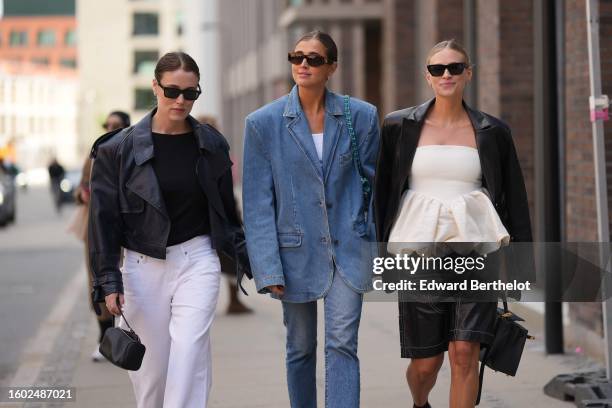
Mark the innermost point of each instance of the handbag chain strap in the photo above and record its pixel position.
(507, 313)
(122, 315)
(366, 188)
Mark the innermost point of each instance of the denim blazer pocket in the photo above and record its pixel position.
(289, 239)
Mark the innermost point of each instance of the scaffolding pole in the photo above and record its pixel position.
(599, 105)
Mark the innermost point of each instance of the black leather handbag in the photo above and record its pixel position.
(504, 353)
(122, 347)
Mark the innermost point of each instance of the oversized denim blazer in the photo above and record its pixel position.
(302, 216)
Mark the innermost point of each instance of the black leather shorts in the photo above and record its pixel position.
(426, 328)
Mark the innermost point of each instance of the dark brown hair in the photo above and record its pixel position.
(326, 40)
(123, 117)
(172, 61)
(451, 44)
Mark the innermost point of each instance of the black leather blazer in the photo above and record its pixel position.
(127, 208)
(501, 171)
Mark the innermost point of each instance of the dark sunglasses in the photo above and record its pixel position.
(189, 94)
(456, 68)
(314, 60)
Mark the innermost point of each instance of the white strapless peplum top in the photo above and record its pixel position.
(446, 203)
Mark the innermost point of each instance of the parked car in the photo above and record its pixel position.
(7, 197)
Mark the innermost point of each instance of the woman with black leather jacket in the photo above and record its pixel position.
(162, 190)
(447, 173)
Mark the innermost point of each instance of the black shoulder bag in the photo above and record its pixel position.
(122, 347)
(505, 351)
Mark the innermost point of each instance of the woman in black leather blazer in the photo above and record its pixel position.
(428, 329)
(162, 191)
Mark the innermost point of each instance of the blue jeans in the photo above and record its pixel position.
(342, 307)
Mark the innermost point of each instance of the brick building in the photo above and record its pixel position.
(531, 71)
(39, 35)
(124, 40)
(38, 82)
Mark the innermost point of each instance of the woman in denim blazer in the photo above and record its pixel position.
(306, 222)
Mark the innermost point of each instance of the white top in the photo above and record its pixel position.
(318, 141)
(446, 203)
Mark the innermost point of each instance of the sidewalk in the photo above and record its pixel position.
(249, 364)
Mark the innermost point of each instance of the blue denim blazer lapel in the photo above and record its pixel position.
(334, 120)
(298, 128)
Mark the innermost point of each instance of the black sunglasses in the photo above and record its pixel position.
(314, 60)
(456, 68)
(189, 94)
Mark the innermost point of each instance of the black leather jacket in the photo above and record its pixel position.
(127, 208)
(501, 171)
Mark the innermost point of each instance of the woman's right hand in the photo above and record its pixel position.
(111, 303)
(84, 196)
(278, 290)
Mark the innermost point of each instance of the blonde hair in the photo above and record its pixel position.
(450, 44)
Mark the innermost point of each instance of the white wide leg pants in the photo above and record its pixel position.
(171, 305)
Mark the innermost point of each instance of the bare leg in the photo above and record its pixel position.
(463, 356)
(421, 376)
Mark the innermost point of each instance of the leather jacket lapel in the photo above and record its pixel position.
(411, 132)
(143, 182)
(483, 139)
(209, 168)
(481, 126)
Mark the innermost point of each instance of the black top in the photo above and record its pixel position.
(175, 162)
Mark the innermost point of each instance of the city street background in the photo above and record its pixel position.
(48, 334)
(66, 64)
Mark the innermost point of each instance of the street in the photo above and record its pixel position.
(37, 260)
(48, 334)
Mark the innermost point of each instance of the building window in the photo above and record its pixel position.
(46, 37)
(40, 61)
(18, 38)
(146, 24)
(144, 99)
(144, 62)
(68, 62)
(70, 38)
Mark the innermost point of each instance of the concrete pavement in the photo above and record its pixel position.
(249, 363)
